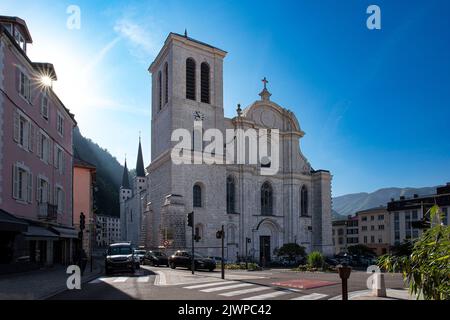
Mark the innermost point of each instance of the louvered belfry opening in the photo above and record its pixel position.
(159, 90)
(190, 79)
(204, 82)
(166, 83)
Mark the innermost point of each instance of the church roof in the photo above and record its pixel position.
(196, 41)
(140, 171)
(125, 178)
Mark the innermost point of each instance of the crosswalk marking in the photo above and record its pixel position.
(98, 280)
(209, 284)
(234, 286)
(143, 279)
(121, 279)
(267, 295)
(312, 296)
(244, 291)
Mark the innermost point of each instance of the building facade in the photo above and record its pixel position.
(374, 229)
(259, 212)
(108, 230)
(405, 213)
(83, 202)
(35, 155)
(339, 236)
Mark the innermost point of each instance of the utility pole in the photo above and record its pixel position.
(221, 235)
(190, 220)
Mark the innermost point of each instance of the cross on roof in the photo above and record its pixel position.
(265, 81)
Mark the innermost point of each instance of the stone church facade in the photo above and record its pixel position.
(259, 212)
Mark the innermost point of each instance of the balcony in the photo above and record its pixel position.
(48, 212)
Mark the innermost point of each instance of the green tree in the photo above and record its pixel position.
(427, 268)
(360, 250)
(292, 251)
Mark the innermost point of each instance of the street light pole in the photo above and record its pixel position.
(193, 240)
(223, 252)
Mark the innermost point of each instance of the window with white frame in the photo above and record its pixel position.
(23, 131)
(22, 183)
(24, 86)
(20, 39)
(60, 124)
(44, 147)
(59, 159)
(44, 106)
(43, 190)
(59, 199)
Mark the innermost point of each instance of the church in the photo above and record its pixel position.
(259, 212)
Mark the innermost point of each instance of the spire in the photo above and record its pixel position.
(265, 94)
(140, 171)
(125, 178)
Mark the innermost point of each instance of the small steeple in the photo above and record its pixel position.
(185, 33)
(265, 94)
(125, 177)
(140, 171)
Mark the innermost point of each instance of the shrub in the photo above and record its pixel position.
(292, 251)
(427, 268)
(315, 260)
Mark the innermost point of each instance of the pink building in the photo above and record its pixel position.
(36, 222)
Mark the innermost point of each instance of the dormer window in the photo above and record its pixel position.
(8, 26)
(20, 40)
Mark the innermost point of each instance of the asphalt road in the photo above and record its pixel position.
(160, 283)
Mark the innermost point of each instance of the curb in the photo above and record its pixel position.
(62, 289)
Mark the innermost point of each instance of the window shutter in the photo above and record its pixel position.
(15, 182)
(49, 192)
(63, 201)
(55, 156)
(30, 187)
(16, 126)
(39, 145)
(31, 136)
(63, 163)
(17, 79)
(38, 189)
(49, 160)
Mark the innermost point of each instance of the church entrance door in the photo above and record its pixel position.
(264, 250)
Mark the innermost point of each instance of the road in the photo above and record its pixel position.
(159, 283)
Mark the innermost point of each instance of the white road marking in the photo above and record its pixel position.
(267, 295)
(209, 284)
(312, 296)
(234, 286)
(143, 279)
(244, 291)
(121, 279)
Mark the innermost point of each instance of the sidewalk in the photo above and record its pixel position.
(391, 294)
(41, 284)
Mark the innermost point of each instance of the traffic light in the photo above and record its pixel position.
(249, 240)
(190, 219)
(82, 221)
(220, 234)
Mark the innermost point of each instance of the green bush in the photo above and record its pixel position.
(315, 260)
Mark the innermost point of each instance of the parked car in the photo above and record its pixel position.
(120, 257)
(331, 262)
(217, 260)
(156, 258)
(140, 254)
(183, 258)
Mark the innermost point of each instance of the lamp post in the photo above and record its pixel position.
(221, 235)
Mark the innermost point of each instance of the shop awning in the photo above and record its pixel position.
(66, 232)
(39, 233)
(10, 223)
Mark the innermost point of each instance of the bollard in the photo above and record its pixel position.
(379, 286)
(344, 273)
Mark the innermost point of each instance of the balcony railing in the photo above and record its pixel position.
(48, 212)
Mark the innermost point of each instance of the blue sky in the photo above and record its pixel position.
(375, 105)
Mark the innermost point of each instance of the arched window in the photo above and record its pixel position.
(190, 79)
(159, 90)
(266, 199)
(231, 192)
(304, 201)
(166, 83)
(204, 82)
(197, 196)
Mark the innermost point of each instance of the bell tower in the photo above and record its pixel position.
(187, 84)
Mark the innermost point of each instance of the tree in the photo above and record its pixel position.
(427, 268)
(360, 250)
(292, 251)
